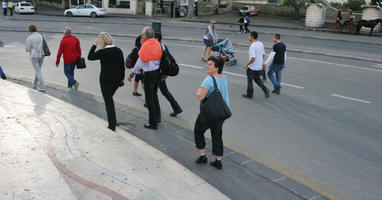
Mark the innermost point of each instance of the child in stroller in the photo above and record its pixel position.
(226, 51)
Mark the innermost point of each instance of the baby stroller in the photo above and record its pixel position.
(226, 51)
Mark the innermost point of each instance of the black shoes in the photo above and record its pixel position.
(217, 164)
(148, 126)
(136, 94)
(276, 90)
(267, 95)
(201, 160)
(246, 96)
(175, 113)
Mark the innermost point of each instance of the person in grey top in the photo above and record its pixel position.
(34, 46)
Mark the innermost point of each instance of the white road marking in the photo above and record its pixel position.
(350, 98)
(279, 179)
(241, 75)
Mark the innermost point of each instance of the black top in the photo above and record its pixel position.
(112, 64)
(279, 49)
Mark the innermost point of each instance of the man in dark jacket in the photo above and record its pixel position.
(70, 47)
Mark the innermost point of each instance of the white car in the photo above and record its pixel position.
(85, 10)
(24, 7)
(249, 10)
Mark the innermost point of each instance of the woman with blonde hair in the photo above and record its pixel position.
(112, 72)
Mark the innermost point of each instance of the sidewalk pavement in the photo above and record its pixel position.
(53, 150)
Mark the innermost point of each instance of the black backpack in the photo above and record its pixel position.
(168, 64)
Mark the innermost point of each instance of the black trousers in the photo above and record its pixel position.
(254, 75)
(5, 11)
(246, 27)
(108, 90)
(11, 11)
(164, 90)
(216, 134)
(152, 80)
(241, 28)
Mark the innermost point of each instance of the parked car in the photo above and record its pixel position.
(251, 10)
(85, 10)
(24, 7)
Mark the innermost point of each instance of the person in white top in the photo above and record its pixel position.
(5, 7)
(255, 66)
(209, 37)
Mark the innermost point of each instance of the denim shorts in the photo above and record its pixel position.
(208, 43)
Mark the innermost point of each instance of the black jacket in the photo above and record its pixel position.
(112, 64)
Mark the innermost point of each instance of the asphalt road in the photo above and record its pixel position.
(324, 128)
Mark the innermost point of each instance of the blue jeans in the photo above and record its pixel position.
(277, 70)
(69, 73)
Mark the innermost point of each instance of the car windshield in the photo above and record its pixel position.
(244, 8)
(26, 4)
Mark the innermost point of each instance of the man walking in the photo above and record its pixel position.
(255, 65)
(10, 7)
(70, 47)
(277, 61)
(34, 46)
(150, 55)
(163, 86)
(5, 7)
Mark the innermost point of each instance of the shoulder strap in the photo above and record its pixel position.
(215, 84)
(78, 46)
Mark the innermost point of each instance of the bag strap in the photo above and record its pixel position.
(78, 47)
(215, 84)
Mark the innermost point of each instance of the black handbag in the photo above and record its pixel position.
(81, 61)
(214, 109)
(45, 47)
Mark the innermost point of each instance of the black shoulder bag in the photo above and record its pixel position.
(81, 61)
(45, 47)
(214, 109)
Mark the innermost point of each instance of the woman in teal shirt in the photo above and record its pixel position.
(214, 68)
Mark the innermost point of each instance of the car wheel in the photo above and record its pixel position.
(93, 14)
(69, 14)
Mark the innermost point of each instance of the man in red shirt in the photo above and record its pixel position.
(70, 47)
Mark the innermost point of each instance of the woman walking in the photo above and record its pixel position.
(34, 46)
(134, 57)
(112, 72)
(209, 38)
(214, 70)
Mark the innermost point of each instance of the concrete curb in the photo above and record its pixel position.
(118, 165)
(238, 44)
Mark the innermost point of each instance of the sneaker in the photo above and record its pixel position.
(76, 85)
(274, 91)
(201, 160)
(136, 94)
(217, 164)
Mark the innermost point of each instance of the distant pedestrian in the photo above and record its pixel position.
(255, 66)
(34, 45)
(5, 7)
(246, 23)
(112, 72)
(241, 24)
(163, 86)
(214, 71)
(70, 47)
(277, 62)
(209, 37)
(133, 57)
(10, 7)
(150, 55)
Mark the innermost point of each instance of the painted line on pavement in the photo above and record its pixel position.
(241, 75)
(350, 98)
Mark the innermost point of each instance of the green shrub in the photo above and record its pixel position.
(354, 5)
(336, 5)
